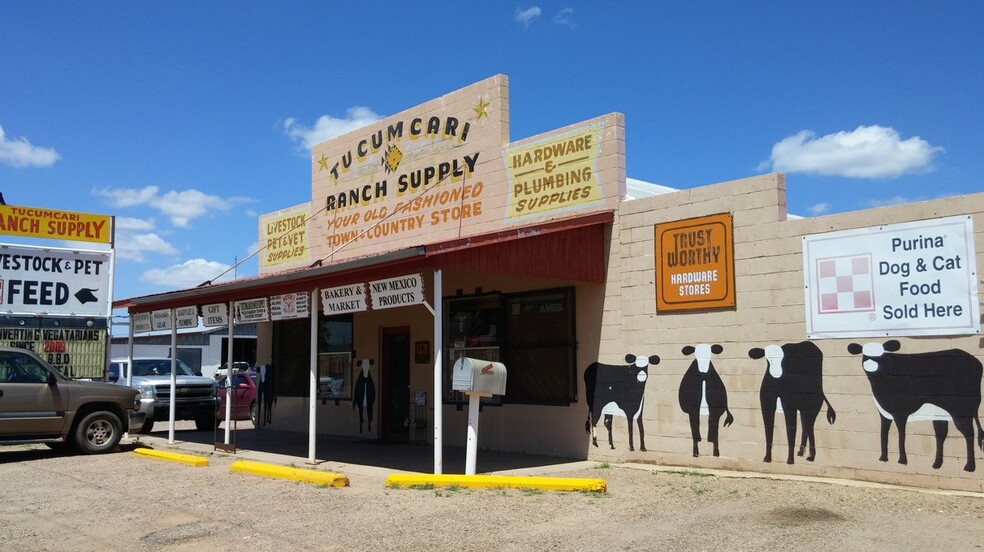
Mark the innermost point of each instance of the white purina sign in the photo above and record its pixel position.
(915, 278)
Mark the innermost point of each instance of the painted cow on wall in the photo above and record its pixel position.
(364, 396)
(938, 386)
(703, 392)
(617, 390)
(794, 383)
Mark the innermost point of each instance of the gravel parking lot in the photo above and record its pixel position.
(52, 501)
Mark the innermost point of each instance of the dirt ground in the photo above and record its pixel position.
(50, 501)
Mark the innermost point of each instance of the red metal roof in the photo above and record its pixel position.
(572, 250)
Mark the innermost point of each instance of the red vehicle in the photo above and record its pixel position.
(244, 393)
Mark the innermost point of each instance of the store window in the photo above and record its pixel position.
(532, 333)
(335, 357)
(292, 357)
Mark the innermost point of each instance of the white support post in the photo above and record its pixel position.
(174, 376)
(129, 352)
(471, 450)
(438, 373)
(313, 398)
(228, 389)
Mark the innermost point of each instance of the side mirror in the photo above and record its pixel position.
(51, 379)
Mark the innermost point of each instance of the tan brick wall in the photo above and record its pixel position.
(770, 310)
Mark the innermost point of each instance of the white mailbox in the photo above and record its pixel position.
(485, 377)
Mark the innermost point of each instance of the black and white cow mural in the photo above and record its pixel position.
(364, 396)
(617, 390)
(793, 382)
(703, 393)
(941, 386)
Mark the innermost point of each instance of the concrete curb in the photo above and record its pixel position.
(498, 482)
(194, 461)
(292, 474)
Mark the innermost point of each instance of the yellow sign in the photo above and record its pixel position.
(285, 234)
(75, 352)
(695, 263)
(554, 175)
(58, 225)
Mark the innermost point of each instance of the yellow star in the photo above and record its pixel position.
(323, 163)
(480, 109)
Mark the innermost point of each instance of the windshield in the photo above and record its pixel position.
(159, 367)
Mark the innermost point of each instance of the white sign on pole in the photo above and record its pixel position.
(343, 299)
(915, 278)
(161, 319)
(288, 306)
(50, 281)
(397, 292)
(187, 317)
(141, 322)
(215, 314)
(251, 310)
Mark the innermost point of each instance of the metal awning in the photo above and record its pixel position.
(572, 249)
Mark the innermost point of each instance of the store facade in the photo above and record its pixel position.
(431, 236)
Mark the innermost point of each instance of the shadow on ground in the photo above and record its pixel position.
(392, 455)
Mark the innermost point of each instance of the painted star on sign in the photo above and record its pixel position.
(480, 109)
(323, 163)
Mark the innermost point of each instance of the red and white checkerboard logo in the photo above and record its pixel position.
(845, 284)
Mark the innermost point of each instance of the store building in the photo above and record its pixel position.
(430, 236)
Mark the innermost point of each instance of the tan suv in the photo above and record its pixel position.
(39, 405)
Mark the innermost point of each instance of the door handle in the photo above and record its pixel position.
(1, 392)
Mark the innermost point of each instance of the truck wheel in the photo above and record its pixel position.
(98, 432)
(205, 420)
(147, 426)
(254, 414)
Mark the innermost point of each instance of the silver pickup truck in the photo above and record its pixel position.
(40, 405)
(195, 395)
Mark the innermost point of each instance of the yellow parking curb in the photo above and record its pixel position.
(498, 482)
(293, 474)
(195, 461)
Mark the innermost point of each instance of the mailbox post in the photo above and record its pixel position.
(476, 378)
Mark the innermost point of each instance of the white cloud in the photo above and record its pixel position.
(188, 274)
(565, 17)
(328, 127)
(525, 17)
(134, 246)
(130, 223)
(866, 152)
(134, 240)
(18, 152)
(180, 207)
(896, 200)
(818, 209)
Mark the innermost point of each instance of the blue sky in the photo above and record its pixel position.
(186, 120)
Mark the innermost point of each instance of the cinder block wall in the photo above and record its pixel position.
(770, 310)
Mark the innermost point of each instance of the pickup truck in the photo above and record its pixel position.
(195, 395)
(40, 405)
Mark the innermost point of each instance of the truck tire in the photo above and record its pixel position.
(205, 420)
(98, 432)
(147, 426)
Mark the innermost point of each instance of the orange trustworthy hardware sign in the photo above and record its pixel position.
(59, 225)
(695, 264)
